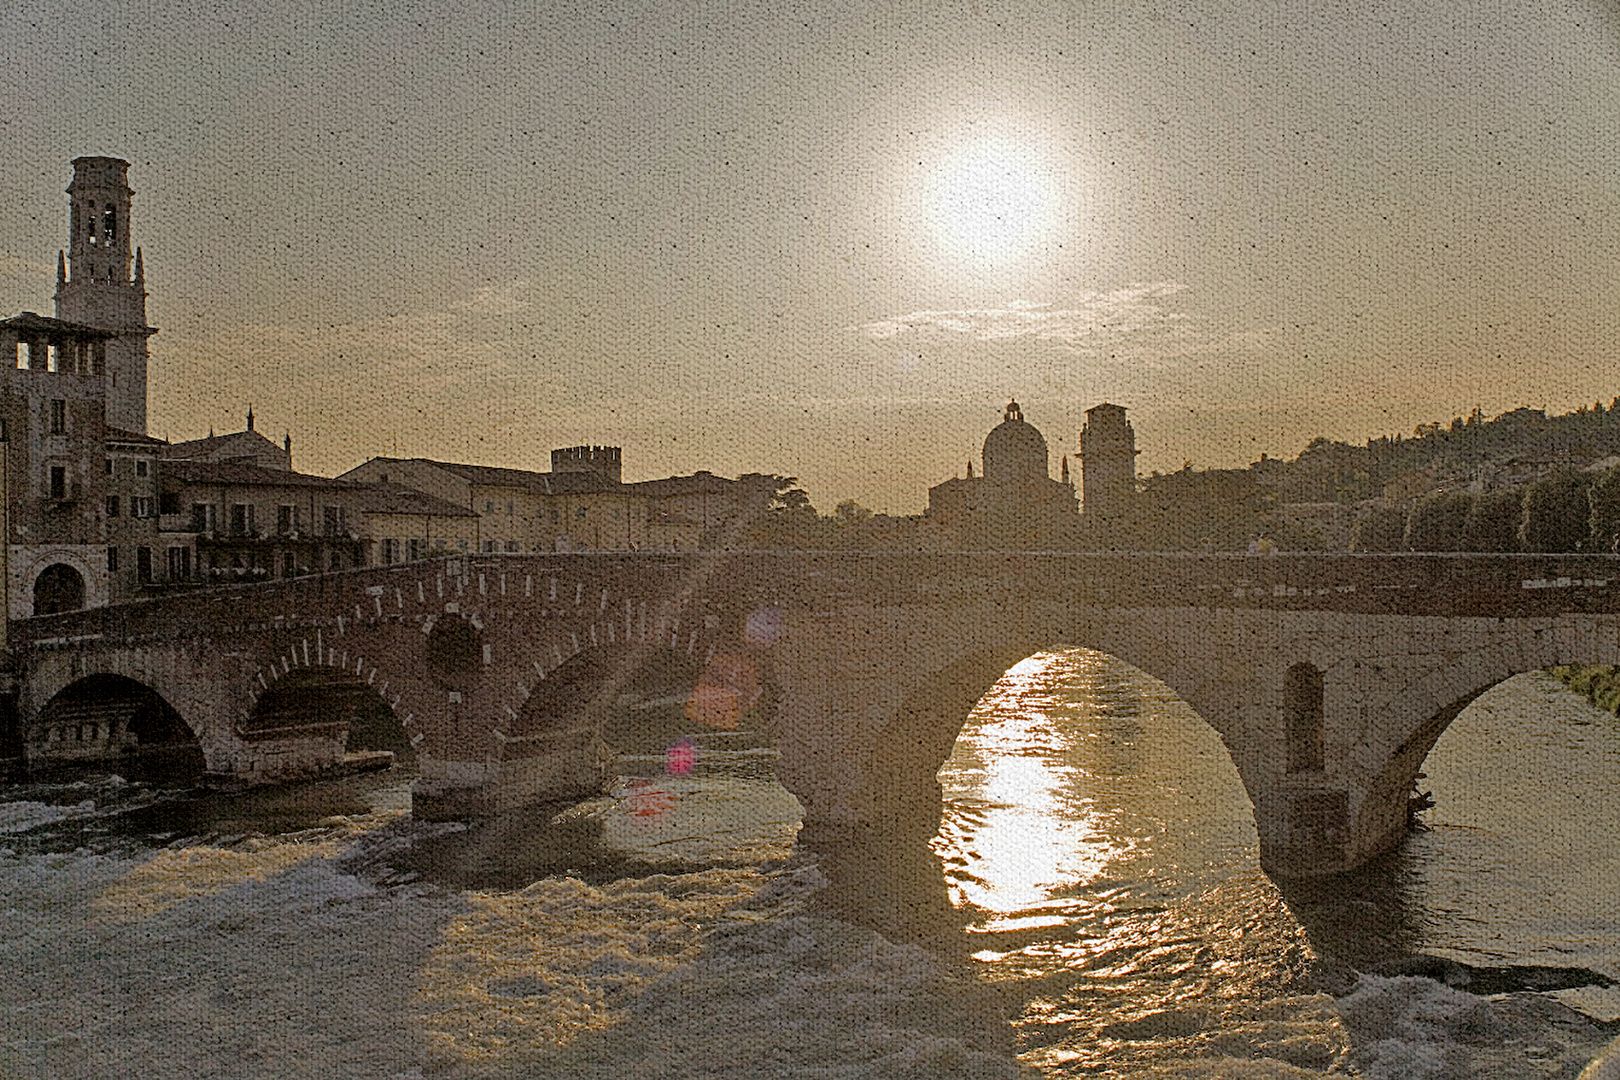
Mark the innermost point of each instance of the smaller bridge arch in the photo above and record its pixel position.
(113, 722)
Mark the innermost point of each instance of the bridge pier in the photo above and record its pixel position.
(552, 767)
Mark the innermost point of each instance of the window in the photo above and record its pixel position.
(1302, 717)
(512, 547)
(579, 513)
(439, 544)
(112, 560)
(332, 520)
(143, 565)
(109, 466)
(141, 506)
(417, 548)
(58, 482)
(287, 567)
(489, 506)
(461, 545)
(112, 506)
(58, 416)
(242, 519)
(202, 517)
(179, 564)
(286, 520)
(22, 356)
(554, 514)
(169, 502)
(390, 551)
(53, 357)
(336, 561)
(140, 466)
(489, 546)
(109, 223)
(508, 507)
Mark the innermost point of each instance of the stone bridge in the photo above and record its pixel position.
(1329, 677)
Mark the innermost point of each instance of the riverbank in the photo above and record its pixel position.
(1598, 683)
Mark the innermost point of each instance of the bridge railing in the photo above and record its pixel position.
(1414, 584)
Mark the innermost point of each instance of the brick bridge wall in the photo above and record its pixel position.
(872, 663)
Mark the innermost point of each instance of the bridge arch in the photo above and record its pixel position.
(1419, 713)
(314, 699)
(114, 722)
(904, 758)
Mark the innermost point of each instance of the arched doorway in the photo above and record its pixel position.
(59, 587)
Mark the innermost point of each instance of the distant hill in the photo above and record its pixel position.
(1521, 481)
(1506, 450)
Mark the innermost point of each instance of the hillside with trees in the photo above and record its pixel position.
(1522, 481)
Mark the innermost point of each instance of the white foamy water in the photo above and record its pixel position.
(1102, 909)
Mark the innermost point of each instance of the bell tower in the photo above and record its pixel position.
(97, 286)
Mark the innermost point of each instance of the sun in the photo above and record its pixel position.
(991, 200)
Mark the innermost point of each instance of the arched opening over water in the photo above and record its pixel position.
(113, 723)
(688, 769)
(321, 699)
(1076, 767)
(1510, 873)
(1099, 850)
(646, 699)
(1384, 808)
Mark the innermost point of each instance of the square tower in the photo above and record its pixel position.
(97, 286)
(1107, 463)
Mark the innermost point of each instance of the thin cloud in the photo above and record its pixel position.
(1095, 322)
(506, 299)
(428, 350)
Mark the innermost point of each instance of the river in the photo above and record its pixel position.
(1091, 906)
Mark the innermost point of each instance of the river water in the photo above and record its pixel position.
(1091, 906)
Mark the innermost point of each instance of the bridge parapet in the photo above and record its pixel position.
(1414, 584)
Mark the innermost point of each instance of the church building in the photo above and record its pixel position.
(1015, 502)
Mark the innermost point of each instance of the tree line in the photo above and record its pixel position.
(1564, 511)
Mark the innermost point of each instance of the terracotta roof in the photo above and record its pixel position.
(221, 472)
(112, 434)
(541, 483)
(702, 482)
(215, 443)
(397, 499)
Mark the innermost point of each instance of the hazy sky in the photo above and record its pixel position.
(831, 240)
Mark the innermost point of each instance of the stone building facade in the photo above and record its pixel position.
(81, 477)
(524, 511)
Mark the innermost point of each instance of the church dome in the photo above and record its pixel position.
(1014, 451)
